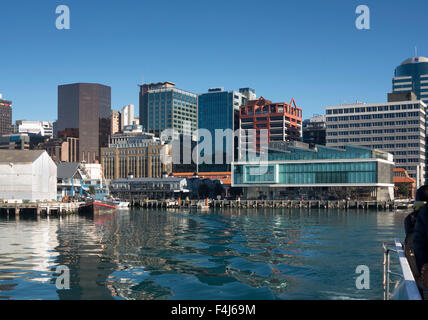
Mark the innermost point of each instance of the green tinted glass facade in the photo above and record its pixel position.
(324, 166)
(308, 173)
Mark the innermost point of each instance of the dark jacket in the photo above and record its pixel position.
(420, 238)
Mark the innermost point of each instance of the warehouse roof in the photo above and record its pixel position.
(67, 170)
(19, 156)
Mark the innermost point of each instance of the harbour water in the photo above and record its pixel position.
(215, 254)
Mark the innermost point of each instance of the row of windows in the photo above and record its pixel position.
(373, 109)
(347, 133)
(414, 160)
(376, 124)
(374, 116)
(368, 139)
(379, 146)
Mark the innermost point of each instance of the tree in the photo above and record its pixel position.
(236, 192)
(204, 191)
(403, 190)
(218, 190)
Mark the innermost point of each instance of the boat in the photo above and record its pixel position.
(102, 202)
(103, 206)
(121, 204)
(399, 285)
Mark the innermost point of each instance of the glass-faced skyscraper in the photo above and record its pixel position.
(218, 109)
(162, 106)
(84, 112)
(412, 75)
(5, 116)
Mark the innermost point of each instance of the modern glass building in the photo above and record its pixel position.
(84, 112)
(162, 106)
(314, 130)
(5, 116)
(294, 169)
(412, 75)
(218, 110)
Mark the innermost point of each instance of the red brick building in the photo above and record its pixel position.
(282, 121)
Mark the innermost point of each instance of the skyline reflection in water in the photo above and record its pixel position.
(221, 254)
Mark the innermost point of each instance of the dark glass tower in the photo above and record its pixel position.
(412, 75)
(5, 117)
(84, 111)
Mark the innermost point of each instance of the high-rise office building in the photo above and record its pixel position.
(394, 127)
(314, 130)
(282, 121)
(5, 116)
(115, 122)
(84, 112)
(412, 75)
(127, 116)
(163, 106)
(219, 110)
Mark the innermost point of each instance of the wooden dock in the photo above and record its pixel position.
(41, 208)
(287, 204)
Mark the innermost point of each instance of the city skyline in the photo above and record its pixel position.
(316, 56)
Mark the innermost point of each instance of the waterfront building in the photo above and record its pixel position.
(404, 185)
(282, 121)
(40, 128)
(135, 154)
(412, 75)
(115, 122)
(219, 110)
(394, 127)
(69, 177)
(15, 142)
(314, 130)
(93, 175)
(5, 116)
(127, 116)
(163, 106)
(27, 175)
(84, 111)
(75, 178)
(64, 149)
(294, 170)
(152, 188)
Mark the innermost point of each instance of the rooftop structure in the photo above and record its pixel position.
(290, 168)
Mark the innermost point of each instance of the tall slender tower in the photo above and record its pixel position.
(5, 116)
(84, 112)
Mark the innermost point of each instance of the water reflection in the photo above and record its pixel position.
(222, 254)
(27, 255)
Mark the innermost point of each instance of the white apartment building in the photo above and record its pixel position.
(127, 115)
(42, 128)
(394, 127)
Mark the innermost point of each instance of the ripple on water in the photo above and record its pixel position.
(230, 254)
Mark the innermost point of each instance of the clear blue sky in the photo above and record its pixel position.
(309, 50)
